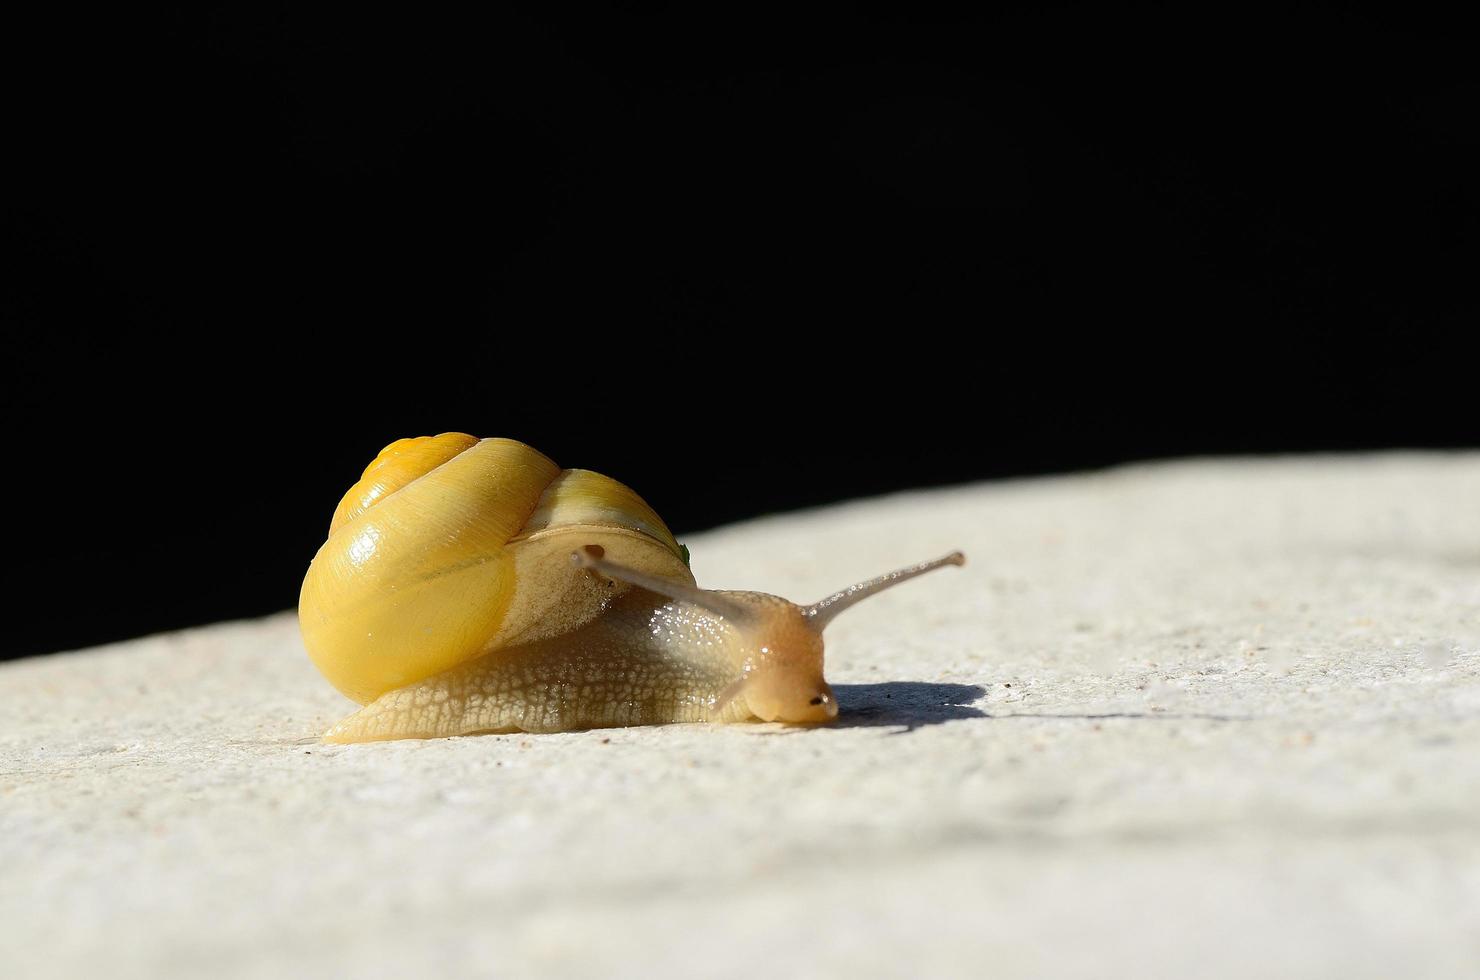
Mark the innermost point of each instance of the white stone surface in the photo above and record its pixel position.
(1213, 719)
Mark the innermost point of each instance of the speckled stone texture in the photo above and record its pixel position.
(1214, 719)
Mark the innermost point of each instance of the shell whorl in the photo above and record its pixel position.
(449, 547)
(395, 466)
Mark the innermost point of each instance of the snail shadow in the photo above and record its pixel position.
(906, 705)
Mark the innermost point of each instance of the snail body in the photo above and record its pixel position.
(473, 586)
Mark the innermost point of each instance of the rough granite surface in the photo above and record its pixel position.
(1207, 718)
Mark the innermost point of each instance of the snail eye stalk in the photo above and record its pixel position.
(588, 557)
(824, 611)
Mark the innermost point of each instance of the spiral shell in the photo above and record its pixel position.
(451, 547)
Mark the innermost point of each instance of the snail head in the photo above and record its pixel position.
(782, 676)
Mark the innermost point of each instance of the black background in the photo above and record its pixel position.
(741, 261)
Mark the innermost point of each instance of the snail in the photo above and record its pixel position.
(471, 585)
